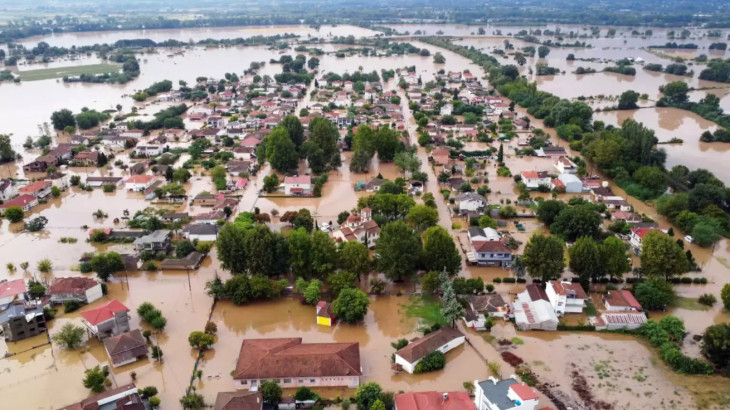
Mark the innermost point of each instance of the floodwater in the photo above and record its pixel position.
(182, 298)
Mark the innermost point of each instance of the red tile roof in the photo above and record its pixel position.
(622, 297)
(524, 391)
(490, 246)
(34, 187)
(419, 348)
(139, 179)
(20, 200)
(289, 357)
(12, 288)
(564, 288)
(304, 179)
(72, 285)
(431, 400)
(104, 312)
(641, 232)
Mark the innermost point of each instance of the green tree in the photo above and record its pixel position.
(181, 175)
(200, 340)
(675, 92)
(585, 260)
(70, 336)
(355, 257)
(485, 221)
(654, 294)
(543, 257)
(543, 51)
(323, 135)
(271, 391)
(7, 153)
(576, 221)
(231, 249)
(305, 393)
(439, 58)
(295, 129)
(661, 256)
(628, 100)
(716, 345)
(548, 211)
(613, 257)
(366, 395)
(62, 119)
(271, 183)
(430, 282)
(14, 214)
(500, 154)
(300, 252)
(193, 401)
(324, 254)
(398, 250)
(303, 220)
(706, 230)
(360, 161)
(351, 305)
(378, 405)
(106, 264)
(439, 251)
(95, 378)
(280, 150)
(725, 296)
(451, 309)
(311, 293)
(336, 282)
(422, 217)
(45, 265)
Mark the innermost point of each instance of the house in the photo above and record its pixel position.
(532, 310)
(237, 167)
(81, 290)
(298, 186)
(325, 316)
(109, 319)
(619, 320)
(358, 227)
(148, 151)
(550, 152)
(25, 202)
(12, 291)
(126, 348)
(446, 109)
(86, 159)
(7, 189)
(477, 234)
(157, 241)
(570, 183)
(138, 183)
(201, 232)
(239, 400)
(636, 237)
(123, 397)
(22, 320)
(205, 199)
(374, 184)
(98, 182)
(627, 217)
(482, 306)
(490, 253)
(39, 189)
(174, 217)
(215, 121)
(58, 179)
(297, 364)
(41, 164)
(621, 300)
(210, 218)
(432, 400)
(566, 297)
(565, 166)
(616, 202)
(443, 340)
(192, 261)
(246, 153)
(441, 156)
(471, 203)
(534, 179)
(508, 394)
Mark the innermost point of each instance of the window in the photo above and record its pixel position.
(301, 381)
(287, 381)
(311, 380)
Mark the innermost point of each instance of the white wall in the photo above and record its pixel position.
(94, 293)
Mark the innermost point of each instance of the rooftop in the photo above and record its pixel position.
(103, 312)
(238, 400)
(420, 347)
(12, 288)
(72, 285)
(431, 400)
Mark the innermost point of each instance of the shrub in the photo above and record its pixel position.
(509, 280)
(707, 299)
(70, 306)
(432, 361)
(497, 280)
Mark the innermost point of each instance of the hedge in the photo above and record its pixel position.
(581, 328)
(432, 361)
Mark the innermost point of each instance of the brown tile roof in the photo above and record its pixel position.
(419, 348)
(490, 246)
(126, 346)
(92, 403)
(491, 302)
(289, 357)
(536, 292)
(566, 288)
(238, 400)
(72, 285)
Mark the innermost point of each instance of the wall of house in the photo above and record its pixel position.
(294, 382)
(94, 293)
(406, 365)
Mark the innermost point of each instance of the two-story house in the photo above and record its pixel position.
(534, 179)
(490, 253)
(359, 227)
(471, 203)
(154, 242)
(508, 394)
(298, 186)
(109, 319)
(566, 297)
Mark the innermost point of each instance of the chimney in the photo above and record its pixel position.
(445, 396)
(493, 380)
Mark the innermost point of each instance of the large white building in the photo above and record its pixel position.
(566, 297)
(508, 394)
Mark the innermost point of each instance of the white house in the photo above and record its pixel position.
(533, 179)
(636, 237)
(493, 394)
(621, 300)
(533, 311)
(565, 166)
(443, 340)
(489, 253)
(477, 234)
(215, 121)
(446, 109)
(471, 202)
(298, 186)
(7, 189)
(566, 297)
(202, 232)
(138, 182)
(148, 150)
(570, 183)
(617, 320)
(82, 290)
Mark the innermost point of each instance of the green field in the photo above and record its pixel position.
(60, 72)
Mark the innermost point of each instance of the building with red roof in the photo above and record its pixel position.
(109, 319)
(566, 297)
(25, 202)
(12, 291)
(138, 182)
(621, 300)
(432, 400)
(636, 237)
(39, 189)
(298, 186)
